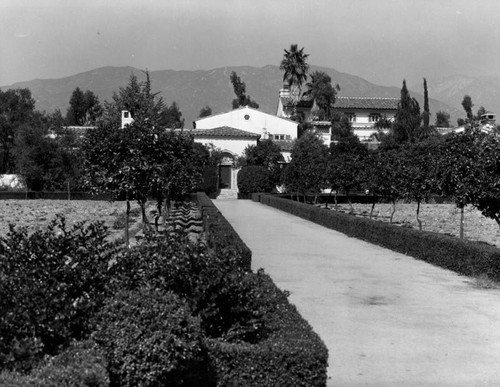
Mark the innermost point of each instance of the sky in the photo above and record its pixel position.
(383, 41)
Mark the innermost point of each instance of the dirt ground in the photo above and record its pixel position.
(442, 218)
(37, 214)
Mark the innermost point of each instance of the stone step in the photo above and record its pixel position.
(227, 194)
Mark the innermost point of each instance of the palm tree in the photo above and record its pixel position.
(320, 89)
(295, 67)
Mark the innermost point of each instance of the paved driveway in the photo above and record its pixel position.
(386, 318)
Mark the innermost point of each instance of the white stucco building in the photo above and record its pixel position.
(233, 131)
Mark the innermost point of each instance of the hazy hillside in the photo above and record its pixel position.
(484, 91)
(193, 90)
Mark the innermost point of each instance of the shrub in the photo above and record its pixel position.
(209, 180)
(292, 355)
(151, 339)
(81, 365)
(218, 289)
(254, 179)
(51, 283)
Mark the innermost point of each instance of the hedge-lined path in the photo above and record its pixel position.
(386, 318)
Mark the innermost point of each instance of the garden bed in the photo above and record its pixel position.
(440, 218)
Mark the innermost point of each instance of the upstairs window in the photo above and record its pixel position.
(374, 117)
(351, 116)
(281, 137)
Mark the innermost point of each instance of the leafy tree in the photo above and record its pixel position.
(480, 112)
(142, 159)
(457, 176)
(467, 105)
(342, 129)
(418, 173)
(382, 176)
(406, 127)
(321, 90)
(442, 119)
(255, 178)
(84, 108)
(171, 117)
(460, 122)
(266, 154)
(205, 112)
(295, 67)
(239, 88)
(305, 173)
(46, 163)
(486, 175)
(346, 165)
(426, 114)
(17, 108)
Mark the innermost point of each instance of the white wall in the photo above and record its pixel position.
(251, 120)
(234, 146)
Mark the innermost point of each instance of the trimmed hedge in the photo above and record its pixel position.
(253, 178)
(220, 233)
(81, 365)
(292, 355)
(464, 257)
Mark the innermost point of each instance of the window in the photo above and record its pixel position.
(247, 117)
(125, 114)
(282, 137)
(351, 116)
(374, 117)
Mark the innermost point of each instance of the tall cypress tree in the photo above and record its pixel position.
(426, 115)
(407, 120)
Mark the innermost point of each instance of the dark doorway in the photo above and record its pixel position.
(225, 176)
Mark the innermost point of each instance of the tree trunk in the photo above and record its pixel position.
(351, 208)
(127, 218)
(373, 207)
(159, 203)
(418, 219)
(336, 202)
(393, 210)
(145, 221)
(462, 222)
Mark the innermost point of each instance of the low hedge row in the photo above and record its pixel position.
(220, 232)
(464, 257)
(292, 355)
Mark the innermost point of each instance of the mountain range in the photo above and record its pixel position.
(193, 90)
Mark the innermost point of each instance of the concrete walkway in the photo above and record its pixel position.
(386, 318)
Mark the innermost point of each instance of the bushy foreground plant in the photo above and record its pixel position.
(151, 338)
(225, 296)
(254, 179)
(51, 283)
(81, 365)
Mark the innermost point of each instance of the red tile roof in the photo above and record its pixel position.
(224, 131)
(366, 103)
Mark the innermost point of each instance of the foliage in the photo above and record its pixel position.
(292, 355)
(346, 164)
(52, 283)
(171, 117)
(406, 126)
(487, 175)
(17, 107)
(205, 112)
(150, 338)
(84, 108)
(305, 173)
(295, 67)
(467, 105)
(321, 90)
(81, 365)
(426, 115)
(267, 154)
(442, 119)
(141, 159)
(46, 163)
(239, 88)
(254, 178)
